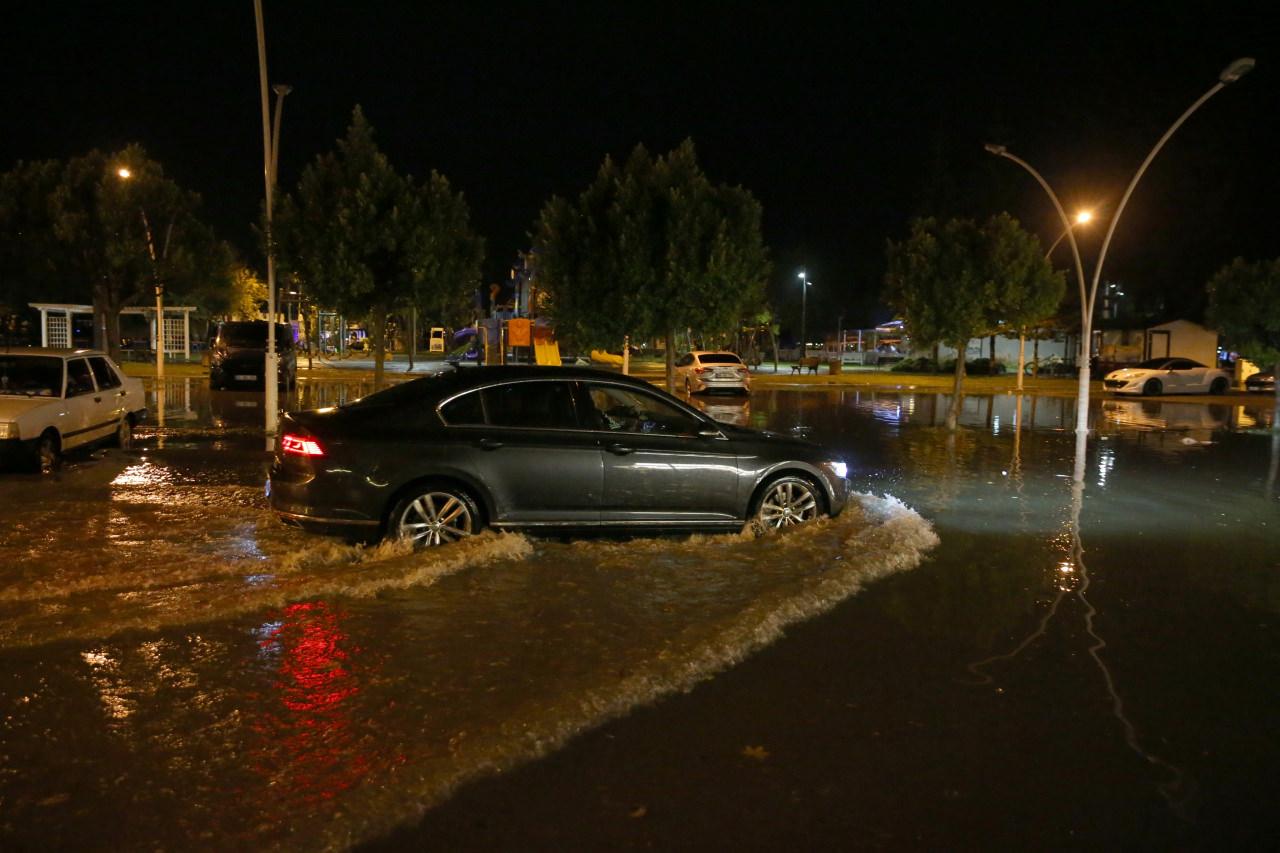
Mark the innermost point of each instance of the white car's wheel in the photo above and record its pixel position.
(48, 450)
(1153, 387)
(1219, 385)
(124, 433)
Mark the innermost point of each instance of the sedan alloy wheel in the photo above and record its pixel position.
(435, 517)
(787, 502)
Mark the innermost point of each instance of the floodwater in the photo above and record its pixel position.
(984, 651)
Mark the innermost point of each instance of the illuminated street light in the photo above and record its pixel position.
(125, 174)
(805, 284)
(1082, 218)
(1230, 74)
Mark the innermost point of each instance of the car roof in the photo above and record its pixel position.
(483, 374)
(56, 352)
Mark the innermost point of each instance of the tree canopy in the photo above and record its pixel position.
(81, 232)
(366, 240)
(650, 249)
(954, 281)
(1244, 305)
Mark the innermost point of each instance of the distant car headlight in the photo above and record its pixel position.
(840, 469)
(8, 430)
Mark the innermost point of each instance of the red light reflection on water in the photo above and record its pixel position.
(309, 750)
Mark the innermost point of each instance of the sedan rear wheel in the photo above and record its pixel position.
(435, 516)
(1219, 385)
(787, 502)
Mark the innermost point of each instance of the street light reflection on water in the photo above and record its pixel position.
(263, 687)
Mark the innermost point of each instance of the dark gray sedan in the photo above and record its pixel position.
(441, 457)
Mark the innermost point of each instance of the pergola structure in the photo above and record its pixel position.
(55, 325)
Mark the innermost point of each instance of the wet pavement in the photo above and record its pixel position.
(1066, 665)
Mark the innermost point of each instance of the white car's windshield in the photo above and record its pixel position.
(31, 375)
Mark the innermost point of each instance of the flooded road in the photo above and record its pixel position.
(976, 654)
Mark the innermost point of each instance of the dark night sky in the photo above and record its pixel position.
(844, 121)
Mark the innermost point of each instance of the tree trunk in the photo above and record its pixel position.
(413, 335)
(671, 361)
(953, 414)
(379, 322)
(1022, 355)
(106, 310)
(1035, 356)
(773, 341)
(991, 360)
(937, 348)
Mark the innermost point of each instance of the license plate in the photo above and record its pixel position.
(246, 377)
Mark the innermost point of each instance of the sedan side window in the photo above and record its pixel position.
(626, 410)
(464, 410)
(536, 405)
(104, 373)
(79, 378)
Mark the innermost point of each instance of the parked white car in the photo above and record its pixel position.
(54, 400)
(1168, 376)
(712, 371)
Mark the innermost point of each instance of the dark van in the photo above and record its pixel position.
(238, 354)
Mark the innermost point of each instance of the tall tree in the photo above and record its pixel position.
(367, 240)
(957, 280)
(85, 233)
(650, 249)
(1244, 305)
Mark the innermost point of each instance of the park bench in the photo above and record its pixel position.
(809, 361)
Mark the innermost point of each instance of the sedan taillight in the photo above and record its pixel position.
(300, 445)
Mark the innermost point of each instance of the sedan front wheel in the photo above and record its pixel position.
(787, 502)
(435, 516)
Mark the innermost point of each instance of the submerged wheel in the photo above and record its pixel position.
(48, 450)
(1219, 385)
(124, 433)
(1152, 388)
(786, 502)
(434, 516)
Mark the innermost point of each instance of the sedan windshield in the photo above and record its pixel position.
(1152, 364)
(31, 375)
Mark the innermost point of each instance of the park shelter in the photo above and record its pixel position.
(56, 325)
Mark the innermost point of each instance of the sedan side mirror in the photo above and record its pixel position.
(710, 432)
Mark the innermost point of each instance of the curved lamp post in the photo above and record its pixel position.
(1230, 74)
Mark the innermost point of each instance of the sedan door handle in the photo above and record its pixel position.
(619, 449)
(488, 444)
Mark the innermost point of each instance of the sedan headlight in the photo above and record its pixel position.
(840, 469)
(8, 430)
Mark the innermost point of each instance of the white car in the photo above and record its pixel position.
(712, 371)
(1168, 376)
(54, 400)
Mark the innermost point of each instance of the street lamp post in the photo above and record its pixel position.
(270, 151)
(125, 174)
(804, 293)
(1230, 74)
(1082, 426)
